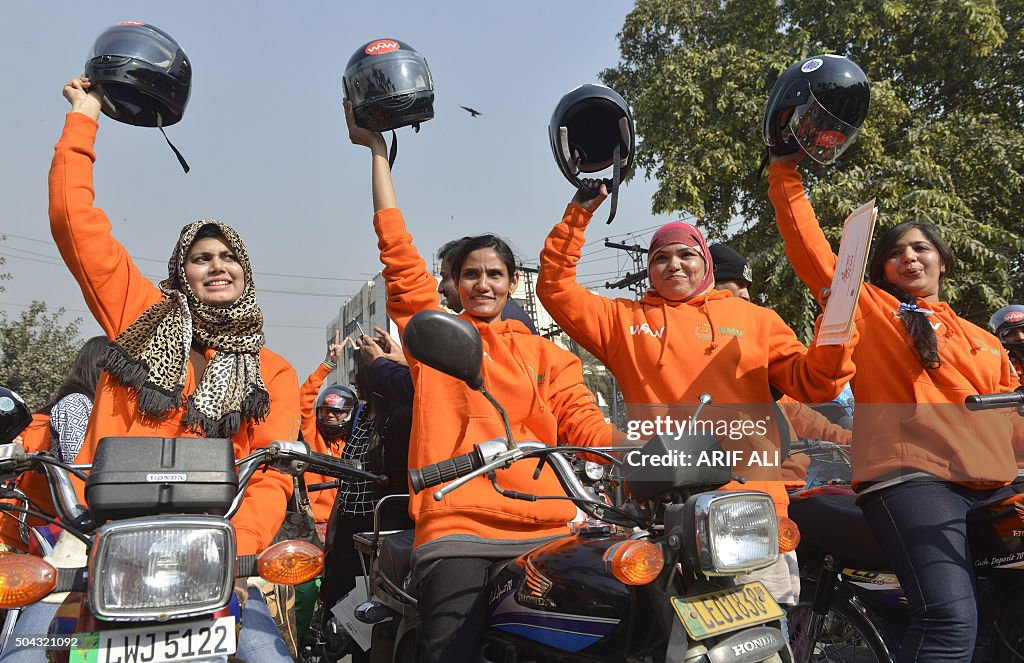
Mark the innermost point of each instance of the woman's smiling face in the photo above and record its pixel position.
(214, 273)
(915, 265)
(484, 284)
(676, 271)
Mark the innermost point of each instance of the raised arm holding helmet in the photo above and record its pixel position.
(541, 387)
(186, 359)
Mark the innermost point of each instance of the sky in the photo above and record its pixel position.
(265, 136)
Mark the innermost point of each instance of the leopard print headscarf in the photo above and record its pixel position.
(151, 356)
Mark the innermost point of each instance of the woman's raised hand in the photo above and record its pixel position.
(586, 199)
(82, 99)
(360, 136)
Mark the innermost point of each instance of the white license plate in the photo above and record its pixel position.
(177, 642)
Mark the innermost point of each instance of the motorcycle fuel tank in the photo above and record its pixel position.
(561, 597)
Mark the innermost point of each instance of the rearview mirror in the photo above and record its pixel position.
(14, 415)
(447, 343)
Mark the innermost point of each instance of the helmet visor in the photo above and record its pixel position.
(820, 134)
(378, 78)
(136, 41)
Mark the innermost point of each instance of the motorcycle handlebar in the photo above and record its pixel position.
(340, 468)
(994, 401)
(429, 476)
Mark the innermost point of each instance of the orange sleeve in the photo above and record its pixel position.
(410, 287)
(321, 501)
(115, 290)
(580, 422)
(263, 507)
(810, 424)
(806, 246)
(35, 438)
(307, 400)
(587, 318)
(810, 375)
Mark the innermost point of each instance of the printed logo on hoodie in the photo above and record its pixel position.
(703, 332)
(645, 328)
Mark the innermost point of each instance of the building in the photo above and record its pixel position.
(359, 315)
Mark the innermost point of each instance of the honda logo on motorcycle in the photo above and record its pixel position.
(535, 588)
(749, 646)
(752, 645)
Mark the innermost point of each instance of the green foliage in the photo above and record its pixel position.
(944, 139)
(37, 351)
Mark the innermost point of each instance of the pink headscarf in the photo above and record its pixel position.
(678, 232)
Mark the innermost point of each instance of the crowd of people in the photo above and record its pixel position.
(187, 358)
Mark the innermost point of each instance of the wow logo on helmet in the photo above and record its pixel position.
(333, 400)
(381, 46)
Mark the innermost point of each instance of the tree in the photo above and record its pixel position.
(944, 139)
(36, 352)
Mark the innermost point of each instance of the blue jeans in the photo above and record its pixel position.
(259, 640)
(922, 527)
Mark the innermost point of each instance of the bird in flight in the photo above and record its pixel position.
(472, 111)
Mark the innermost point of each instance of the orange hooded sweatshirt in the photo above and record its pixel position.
(35, 438)
(539, 384)
(117, 293)
(322, 501)
(665, 354)
(907, 418)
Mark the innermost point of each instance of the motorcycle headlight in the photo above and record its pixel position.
(162, 568)
(735, 532)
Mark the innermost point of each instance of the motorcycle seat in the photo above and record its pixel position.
(834, 524)
(396, 555)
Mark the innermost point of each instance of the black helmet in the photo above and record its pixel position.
(828, 96)
(389, 85)
(14, 415)
(1002, 321)
(586, 127)
(335, 397)
(142, 73)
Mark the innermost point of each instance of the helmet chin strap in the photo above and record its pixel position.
(393, 152)
(616, 179)
(181, 159)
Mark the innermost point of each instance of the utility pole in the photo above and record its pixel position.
(633, 280)
(531, 301)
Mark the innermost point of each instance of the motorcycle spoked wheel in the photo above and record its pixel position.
(846, 637)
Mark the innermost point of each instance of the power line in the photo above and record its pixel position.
(89, 313)
(164, 262)
(156, 278)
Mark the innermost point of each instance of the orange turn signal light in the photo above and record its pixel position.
(290, 562)
(24, 579)
(789, 535)
(635, 562)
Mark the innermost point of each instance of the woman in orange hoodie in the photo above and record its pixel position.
(684, 338)
(920, 460)
(539, 384)
(187, 358)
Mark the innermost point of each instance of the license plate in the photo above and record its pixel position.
(174, 642)
(726, 610)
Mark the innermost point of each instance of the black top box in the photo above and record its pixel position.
(144, 476)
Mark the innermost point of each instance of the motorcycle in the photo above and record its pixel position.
(853, 608)
(651, 579)
(159, 550)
